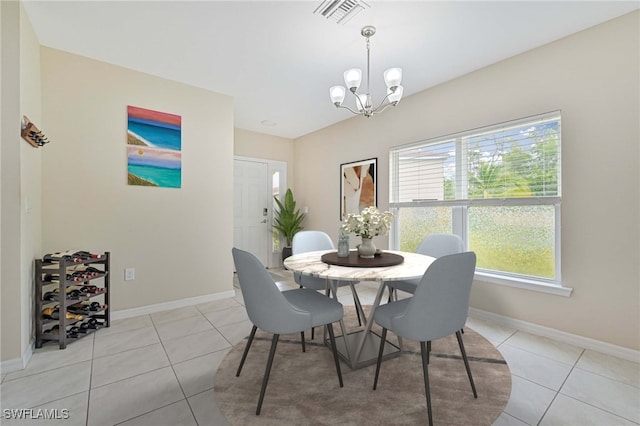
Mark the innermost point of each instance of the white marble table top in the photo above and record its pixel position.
(309, 263)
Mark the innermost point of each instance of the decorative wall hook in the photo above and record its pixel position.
(31, 133)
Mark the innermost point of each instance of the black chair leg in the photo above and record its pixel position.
(267, 371)
(466, 363)
(425, 370)
(332, 337)
(246, 349)
(383, 339)
(304, 349)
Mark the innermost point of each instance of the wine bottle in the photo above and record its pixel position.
(51, 296)
(55, 278)
(54, 313)
(88, 271)
(86, 255)
(93, 289)
(79, 309)
(68, 256)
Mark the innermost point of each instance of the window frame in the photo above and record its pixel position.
(460, 206)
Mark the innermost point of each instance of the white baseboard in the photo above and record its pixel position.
(573, 339)
(181, 303)
(17, 364)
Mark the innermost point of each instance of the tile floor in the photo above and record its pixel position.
(158, 369)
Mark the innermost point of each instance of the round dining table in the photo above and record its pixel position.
(359, 348)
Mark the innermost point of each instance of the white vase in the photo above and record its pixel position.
(367, 249)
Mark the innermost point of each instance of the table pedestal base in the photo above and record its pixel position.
(369, 353)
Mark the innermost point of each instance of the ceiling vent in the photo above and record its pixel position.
(340, 11)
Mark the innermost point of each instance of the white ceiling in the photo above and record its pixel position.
(278, 59)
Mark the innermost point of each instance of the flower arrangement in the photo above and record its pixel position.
(370, 223)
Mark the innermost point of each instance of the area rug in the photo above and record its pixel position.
(303, 388)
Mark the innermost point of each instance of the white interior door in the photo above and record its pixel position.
(252, 229)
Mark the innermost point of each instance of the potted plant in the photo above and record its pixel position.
(288, 220)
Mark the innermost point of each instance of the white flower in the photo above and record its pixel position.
(370, 223)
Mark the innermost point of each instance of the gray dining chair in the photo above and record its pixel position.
(438, 308)
(276, 312)
(434, 245)
(306, 241)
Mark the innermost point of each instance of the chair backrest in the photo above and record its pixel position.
(440, 305)
(305, 241)
(438, 245)
(266, 306)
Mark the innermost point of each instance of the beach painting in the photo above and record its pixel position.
(154, 148)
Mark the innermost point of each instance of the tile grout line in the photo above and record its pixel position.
(174, 370)
(560, 388)
(93, 349)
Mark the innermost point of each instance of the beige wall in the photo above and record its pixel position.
(592, 77)
(30, 173)
(178, 240)
(10, 261)
(21, 180)
(267, 147)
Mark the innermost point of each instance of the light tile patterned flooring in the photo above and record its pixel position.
(158, 369)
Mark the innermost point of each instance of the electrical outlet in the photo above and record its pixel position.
(129, 274)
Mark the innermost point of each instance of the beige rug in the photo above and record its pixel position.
(303, 388)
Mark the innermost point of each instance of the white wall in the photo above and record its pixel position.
(178, 240)
(592, 77)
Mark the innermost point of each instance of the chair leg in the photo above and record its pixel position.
(332, 337)
(267, 371)
(304, 349)
(425, 370)
(393, 294)
(313, 332)
(383, 339)
(466, 363)
(246, 349)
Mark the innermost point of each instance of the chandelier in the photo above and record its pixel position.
(353, 78)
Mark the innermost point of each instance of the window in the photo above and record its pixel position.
(497, 187)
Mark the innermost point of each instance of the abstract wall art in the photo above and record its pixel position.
(358, 186)
(154, 148)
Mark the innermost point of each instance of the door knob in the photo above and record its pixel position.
(264, 221)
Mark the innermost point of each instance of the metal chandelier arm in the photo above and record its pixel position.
(375, 110)
(346, 107)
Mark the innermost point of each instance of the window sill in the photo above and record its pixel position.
(532, 285)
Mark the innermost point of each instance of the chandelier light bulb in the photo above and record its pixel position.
(352, 78)
(393, 77)
(337, 94)
(395, 96)
(361, 102)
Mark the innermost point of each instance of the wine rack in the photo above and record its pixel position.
(70, 278)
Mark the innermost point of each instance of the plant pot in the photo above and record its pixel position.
(286, 252)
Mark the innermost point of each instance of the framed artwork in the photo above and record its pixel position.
(154, 148)
(358, 186)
